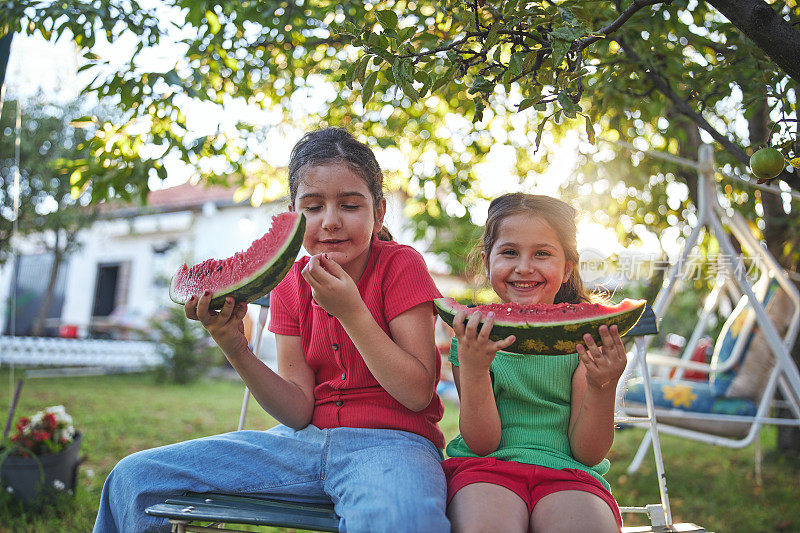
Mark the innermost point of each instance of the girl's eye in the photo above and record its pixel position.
(312, 208)
(543, 253)
(351, 207)
(508, 252)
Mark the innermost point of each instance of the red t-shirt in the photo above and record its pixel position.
(346, 393)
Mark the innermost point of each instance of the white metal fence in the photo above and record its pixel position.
(112, 354)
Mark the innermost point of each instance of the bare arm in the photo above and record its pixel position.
(289, 397)
(478, 419)
(594, 383)
(405, 366)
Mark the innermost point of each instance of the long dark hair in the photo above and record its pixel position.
(559, 215)
(336, 145)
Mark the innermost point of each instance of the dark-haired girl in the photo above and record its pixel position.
(355, 390)
(535, 430)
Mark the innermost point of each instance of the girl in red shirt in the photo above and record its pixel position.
(355, 390)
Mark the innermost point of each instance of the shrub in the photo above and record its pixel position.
(184, 345)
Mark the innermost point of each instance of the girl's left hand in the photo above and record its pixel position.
(332, 288)
(605, 363)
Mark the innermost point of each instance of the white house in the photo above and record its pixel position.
(119, 278)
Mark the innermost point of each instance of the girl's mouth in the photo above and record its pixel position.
(524, 284)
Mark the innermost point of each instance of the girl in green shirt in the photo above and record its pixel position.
(535, 430)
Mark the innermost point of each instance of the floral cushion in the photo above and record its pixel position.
(688, 396)
(740, 321)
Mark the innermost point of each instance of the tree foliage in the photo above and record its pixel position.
(46, 206)
(439, 83)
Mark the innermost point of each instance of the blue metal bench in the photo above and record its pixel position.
(220, 509)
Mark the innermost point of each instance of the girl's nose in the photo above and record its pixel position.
(525, 265)
(331, 220)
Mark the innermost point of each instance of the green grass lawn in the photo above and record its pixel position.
(708, 485)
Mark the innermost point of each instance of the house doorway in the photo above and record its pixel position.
(110, 298)
(105, 292)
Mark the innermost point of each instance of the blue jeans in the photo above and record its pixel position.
(377, 479)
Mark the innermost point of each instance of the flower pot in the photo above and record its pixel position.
(23, 475)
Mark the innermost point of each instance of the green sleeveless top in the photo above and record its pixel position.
(533, 399)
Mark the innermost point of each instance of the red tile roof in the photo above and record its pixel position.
(178, 198)
(188, 195)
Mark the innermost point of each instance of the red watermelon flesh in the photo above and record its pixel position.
(246, 275)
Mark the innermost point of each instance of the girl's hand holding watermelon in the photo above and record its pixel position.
(226, 326)
(475, 350)
(604, 364)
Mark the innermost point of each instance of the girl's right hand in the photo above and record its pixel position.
(226, 326)
(476, 350)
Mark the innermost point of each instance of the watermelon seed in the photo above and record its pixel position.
(219, 268)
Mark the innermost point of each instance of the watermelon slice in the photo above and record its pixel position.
(548, 329)
(246, 275)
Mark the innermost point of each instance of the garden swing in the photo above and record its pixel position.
(749, 327)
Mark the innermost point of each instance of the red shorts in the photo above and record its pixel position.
(529, 482)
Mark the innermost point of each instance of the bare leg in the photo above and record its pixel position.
(484, 507)
(572, 511)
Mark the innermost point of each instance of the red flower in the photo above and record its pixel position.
(41, 435)
(22, 423)
(50, 421)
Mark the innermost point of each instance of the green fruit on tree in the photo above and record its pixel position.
(767, 163)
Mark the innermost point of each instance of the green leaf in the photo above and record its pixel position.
(589, 128)
(361, 69)
(443, 80)
(492, 37)
(481, 85)
(516, 63)
(409, 90)
(387, 18)
(406, 33)
(539, 132)
(564, 100)
(560, 49)
(510, 8)
(498, 53)
(567, 33)
(368, 87)
(526, 103)
(479, 108)
(349, 74)
(402, 71)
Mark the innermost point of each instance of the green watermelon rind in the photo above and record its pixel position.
(552, 338)
(262, 281)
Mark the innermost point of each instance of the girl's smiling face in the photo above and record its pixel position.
(341, 216)
(527, 263)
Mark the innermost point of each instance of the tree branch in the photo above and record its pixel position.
(635, 6)
(767, 29)
(683, 107)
